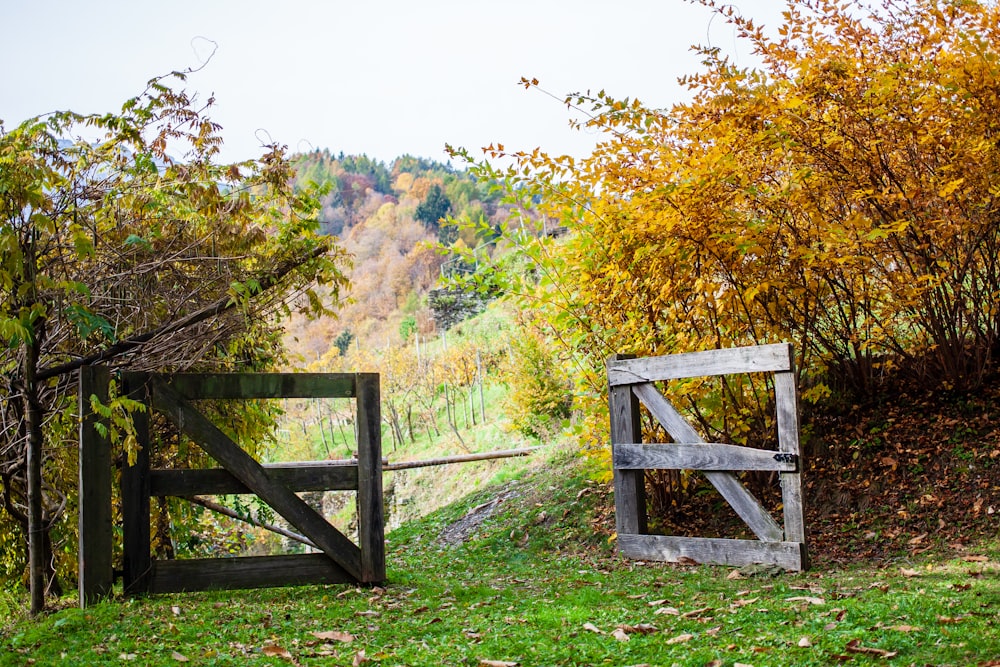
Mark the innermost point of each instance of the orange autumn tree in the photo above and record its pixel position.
(841, 195)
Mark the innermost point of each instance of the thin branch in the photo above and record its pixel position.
(223, 305)
(232, 514)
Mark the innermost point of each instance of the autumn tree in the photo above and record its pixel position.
(136, 250)
(840, 195)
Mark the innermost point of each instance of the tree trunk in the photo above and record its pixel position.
(33, 472)
(409, 422)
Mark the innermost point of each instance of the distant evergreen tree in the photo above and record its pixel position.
(433, 208)
(343, 341)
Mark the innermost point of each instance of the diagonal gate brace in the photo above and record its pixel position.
(242, 466)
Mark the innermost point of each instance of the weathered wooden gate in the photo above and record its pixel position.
(631, 383)
(339, 559)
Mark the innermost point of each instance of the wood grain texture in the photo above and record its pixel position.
(736, 553)
(630, 486)
(218, 481)
(178, 576)
(707, 456)
(742, 501)
(758, 359)
(786, 399)
(220, 447)
(263, 385)
(136, 559)
(96, 572)
(371, 522)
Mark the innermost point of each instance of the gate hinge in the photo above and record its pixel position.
(786, 457)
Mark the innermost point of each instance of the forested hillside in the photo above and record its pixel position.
(391, 219)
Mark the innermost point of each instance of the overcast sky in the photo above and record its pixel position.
(383, 78)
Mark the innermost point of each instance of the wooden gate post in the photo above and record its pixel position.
(96, 574)
(630, 485)
(371, 522)
(136, 561)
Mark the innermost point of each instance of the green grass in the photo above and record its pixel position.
(538, 583)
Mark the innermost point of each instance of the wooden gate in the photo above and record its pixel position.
(339, 560)
(631, 383)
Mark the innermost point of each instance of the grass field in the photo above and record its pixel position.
(524, 573)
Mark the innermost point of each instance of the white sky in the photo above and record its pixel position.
(378, 77)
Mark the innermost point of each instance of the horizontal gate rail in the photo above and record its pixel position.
(310, 476)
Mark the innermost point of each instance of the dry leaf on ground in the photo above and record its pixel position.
(276, 651)
(905, 628)
(806, 598)
(334, 635)
(680, 639)
(179, 657)
(854, 646)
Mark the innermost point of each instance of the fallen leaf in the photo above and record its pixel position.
(276, 651)
(854, 646)
(744, 602)
(359, 659)
(695, 612)
(176, 611)
(127, 656)
(918, 539)
(905, 628)
(497, 663)
(735, 574)
(907, 572)
(805, 643)
(680, 639)
(590, 627)
(806, 598)
(657, 603)
(950, 619)
(334, 635)
(620, 635)
(179, 657)
(976, 559)
(672, 611)
(641, 629)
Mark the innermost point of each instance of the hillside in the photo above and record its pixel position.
(390, 219)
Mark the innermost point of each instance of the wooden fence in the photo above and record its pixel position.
(339, 560)
(630, 383)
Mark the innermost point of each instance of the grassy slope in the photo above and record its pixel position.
(523, 587)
